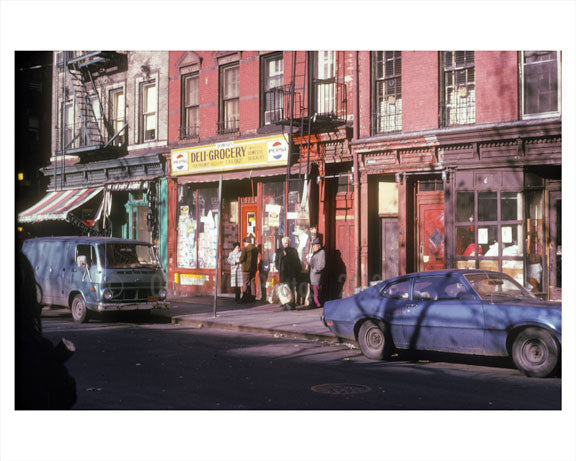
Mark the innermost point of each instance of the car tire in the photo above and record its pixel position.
(373, 340)
(536, 352)
(79, 310)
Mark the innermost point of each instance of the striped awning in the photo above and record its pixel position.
(57, 205)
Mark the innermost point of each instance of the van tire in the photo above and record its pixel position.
(79, 310)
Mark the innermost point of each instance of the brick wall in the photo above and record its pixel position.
(419, 90)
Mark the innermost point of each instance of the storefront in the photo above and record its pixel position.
(259, 200)
(503, 203)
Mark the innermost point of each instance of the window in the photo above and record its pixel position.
(116, 113)
(540, 70)
(387, 91)
(148, 115)
(397, 290)
(489, 231)
(190, 103)
(68, 124)
(229, 99)
(272, 81)
(459, 93)
(324, 82)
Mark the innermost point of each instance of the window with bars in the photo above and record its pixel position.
(229, 99)
(387, 91)
(325, 82)
(272, 81)
(68, 124)
(459, 88)
(540, 87)
(148, 114)
(190, 104)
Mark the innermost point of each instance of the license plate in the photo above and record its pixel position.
(152, 299)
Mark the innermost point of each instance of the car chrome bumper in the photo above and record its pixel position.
(131, 306)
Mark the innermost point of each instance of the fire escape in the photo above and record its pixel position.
(314, 102)
(90, 132)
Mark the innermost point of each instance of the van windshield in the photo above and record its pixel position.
(124, 255)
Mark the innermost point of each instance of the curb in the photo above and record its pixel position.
(195, 323)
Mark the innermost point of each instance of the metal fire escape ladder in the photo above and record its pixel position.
(90, 136)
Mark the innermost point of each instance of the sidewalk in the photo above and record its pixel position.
(257, 317)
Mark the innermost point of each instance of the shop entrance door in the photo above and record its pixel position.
(344, 258)
(249, 220)
(430, 230)
(555, 245)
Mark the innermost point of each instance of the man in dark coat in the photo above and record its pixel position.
(249, 265)
(289, 267)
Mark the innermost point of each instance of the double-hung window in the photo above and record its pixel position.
(149, 111)
(540, 88)
(387, 91)
(116, 113)
(189, 125)
(459, 88)
(325, 82)
(229, 99)
(272, 81)
(68, 125)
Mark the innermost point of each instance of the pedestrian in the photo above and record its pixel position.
(249, 264)
(42, 381)
(288, 264)
(317, 266)
(263, 270)
(235, 271)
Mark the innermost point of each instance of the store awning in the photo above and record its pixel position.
(57, 205)
(244, 174)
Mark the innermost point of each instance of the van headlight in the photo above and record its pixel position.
(162, 293)
(107, 294)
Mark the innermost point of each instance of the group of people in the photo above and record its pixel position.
(244, 264)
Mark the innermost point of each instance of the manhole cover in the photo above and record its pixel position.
(341, 389)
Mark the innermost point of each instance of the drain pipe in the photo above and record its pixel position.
(355, 135)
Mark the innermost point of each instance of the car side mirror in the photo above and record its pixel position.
(81, 261)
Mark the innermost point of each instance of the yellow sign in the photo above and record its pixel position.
(231, 155)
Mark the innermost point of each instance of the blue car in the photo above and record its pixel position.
(459, 311)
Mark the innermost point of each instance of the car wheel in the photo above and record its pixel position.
(536, 352)
(79, 310)
(373, 340)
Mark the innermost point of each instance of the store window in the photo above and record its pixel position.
(540, 83)
(272, 94)
(229, 118)
(273, 219)
(387, 91)
(148, 111)
(535, 240)
(458, 88)
(489, 231)
(190, 107)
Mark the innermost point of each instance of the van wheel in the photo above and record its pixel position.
(79, 311)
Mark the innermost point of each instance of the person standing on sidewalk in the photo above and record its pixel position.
(288, 264)
(235, 272)
(263, 270)
(317, 266)
(249, 264)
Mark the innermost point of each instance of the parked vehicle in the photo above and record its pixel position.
(460, 311)
(97, 274)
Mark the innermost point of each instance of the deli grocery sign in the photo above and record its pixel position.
(231, 155)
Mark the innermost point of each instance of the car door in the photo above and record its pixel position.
(393, 299)
(443, 315)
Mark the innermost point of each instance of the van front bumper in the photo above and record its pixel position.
(131, 306)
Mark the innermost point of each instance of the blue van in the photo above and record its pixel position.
(97, 274)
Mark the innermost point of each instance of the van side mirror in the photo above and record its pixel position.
(81, 261)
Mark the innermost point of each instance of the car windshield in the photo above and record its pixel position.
(497, 287)
(125, 255)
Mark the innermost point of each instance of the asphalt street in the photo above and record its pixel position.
(125, 364)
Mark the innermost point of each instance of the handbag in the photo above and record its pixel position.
(285, 294)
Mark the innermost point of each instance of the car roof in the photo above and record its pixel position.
(86, 239)
(440, 272)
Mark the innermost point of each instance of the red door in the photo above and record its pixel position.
(249, 222)
(430, 235)
(344, 262)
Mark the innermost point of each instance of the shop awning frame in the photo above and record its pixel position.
(57, 205)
